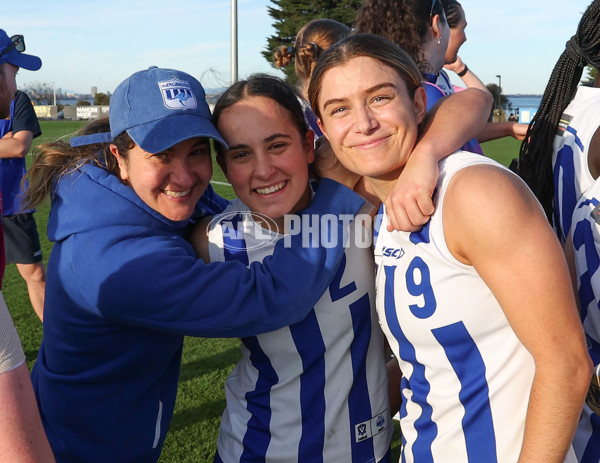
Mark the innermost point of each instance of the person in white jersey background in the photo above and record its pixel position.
(316, 390)
(560, 156)
(575, 153)
(477, 306)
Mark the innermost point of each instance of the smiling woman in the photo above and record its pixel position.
(460, 303)
(124, 286)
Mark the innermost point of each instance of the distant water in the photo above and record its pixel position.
(529, 101)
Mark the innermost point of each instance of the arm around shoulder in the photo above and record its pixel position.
(158, 283)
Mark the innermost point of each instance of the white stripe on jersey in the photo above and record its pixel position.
(317, 380)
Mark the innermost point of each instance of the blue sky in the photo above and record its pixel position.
(101, 42)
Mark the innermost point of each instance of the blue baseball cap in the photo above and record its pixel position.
(14, 56)
(159, 108)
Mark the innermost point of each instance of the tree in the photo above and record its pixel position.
(41, 93)
(501, 103)
(83, 103)
(101, 99)
(592, 74)
(291, 15)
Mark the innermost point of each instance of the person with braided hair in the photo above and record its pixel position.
(568, 185)
(560, 156)
(313, 39)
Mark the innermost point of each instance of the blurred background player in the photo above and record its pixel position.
(22, 242)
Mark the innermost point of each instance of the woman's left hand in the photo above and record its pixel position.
(409, 205)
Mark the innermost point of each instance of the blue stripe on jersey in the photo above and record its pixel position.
(424, 425)
(577, 139)
(592, 448)
(311, 350)
(421, 236)
(234, 244)
(563, 216)
(466, 360)
(583, 236)
(255, 441)
(359, 407)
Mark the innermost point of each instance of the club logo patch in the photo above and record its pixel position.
(177, 94)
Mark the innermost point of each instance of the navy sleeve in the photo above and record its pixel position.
(164, 287)
(24, 117)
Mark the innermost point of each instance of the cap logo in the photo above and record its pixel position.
(177, 94)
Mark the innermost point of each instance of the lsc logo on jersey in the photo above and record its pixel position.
(177, 94)
(393, 252)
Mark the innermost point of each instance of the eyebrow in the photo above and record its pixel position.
(202, 141)
(266, 140)
(366, 92)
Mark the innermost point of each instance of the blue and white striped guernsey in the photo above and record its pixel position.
(315, 391)
(466, 376)
(585, 233)
(572, 176)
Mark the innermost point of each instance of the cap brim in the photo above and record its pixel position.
(29, 62)
(159, 135)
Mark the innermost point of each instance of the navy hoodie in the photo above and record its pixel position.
(124, 287)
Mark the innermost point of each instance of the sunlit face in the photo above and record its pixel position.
(457, 38)
(170, 182)
(369, 117)
(8, 88)
(267, 161)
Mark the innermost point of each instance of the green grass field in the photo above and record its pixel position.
(206, 362)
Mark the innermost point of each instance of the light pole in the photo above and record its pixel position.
(499, 93)
(234, 42)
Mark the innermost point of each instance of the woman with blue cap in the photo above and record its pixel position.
(124, 286)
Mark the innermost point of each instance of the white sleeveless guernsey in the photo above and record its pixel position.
(466, 376)
(315, 391)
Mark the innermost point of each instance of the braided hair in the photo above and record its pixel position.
(535, 157)
(453, 11)
(313, 39)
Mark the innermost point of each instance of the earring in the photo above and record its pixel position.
(439, 40)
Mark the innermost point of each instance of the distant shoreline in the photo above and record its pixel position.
(524, 95)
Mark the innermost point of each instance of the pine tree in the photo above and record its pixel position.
(290, 15)
(590, 78)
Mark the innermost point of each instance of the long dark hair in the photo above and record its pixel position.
(53, 160)
(535, 157)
